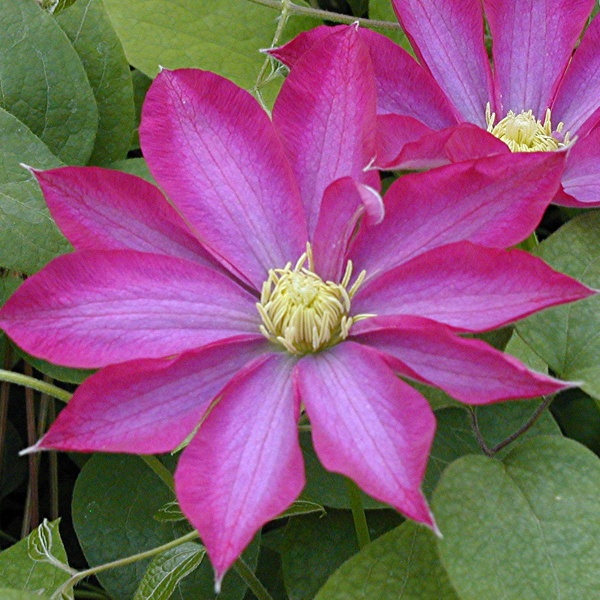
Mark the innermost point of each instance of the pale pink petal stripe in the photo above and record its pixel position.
(469, 370)
(532, 44)
(581, 179)
(406, 145)
(102, 209)
(468, 287)
(93, 308)
(244, 466)
(448, 37)
(403, 86)
(325, 114)
(215, 152)
(578, 97)
(147, 406)
(344, 202)
(493, 201)
(369, 425)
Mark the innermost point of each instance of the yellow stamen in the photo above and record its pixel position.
(525, 133)
(303, 313)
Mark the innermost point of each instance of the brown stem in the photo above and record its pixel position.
(4, 398)
(31, 518)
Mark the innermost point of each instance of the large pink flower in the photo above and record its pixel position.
(538, 95)
(218, 311)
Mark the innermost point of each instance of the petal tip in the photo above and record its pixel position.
(37, 447)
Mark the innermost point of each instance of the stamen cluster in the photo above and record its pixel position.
(303, 313)
(524, 133)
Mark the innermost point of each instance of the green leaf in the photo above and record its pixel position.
(167, 570)
(223, 36)
(302, 507)
(568, 337)
(114, 503)
(401, 564)
(87, 25)
(55, 371)
(134, 166)
(382, 10)
(141, 84)
(7, 594)
(169, 512)
(324, 487)
(28, 236)
(32, 563)
(43, 81)
(314, 546)
(526, 528)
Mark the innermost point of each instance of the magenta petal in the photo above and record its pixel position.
(147, 406)
(448, 36)
(215, 152)
(90, 309)
(101, 209)
(468, 370)
(578, 97)
(344, 202)
(468, 287)
(493, 201)
(532, 44)
(369, 425)
(244, 466)
(434, 148)
(581, 179)
(403, 86)
(325, 114)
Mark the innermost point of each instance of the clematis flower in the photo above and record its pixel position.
(271, 285)
(540, 95)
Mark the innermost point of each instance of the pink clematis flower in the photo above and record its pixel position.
(539, 95)
(271, 283)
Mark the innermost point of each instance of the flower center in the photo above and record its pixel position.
(525, 133)
(303, 313)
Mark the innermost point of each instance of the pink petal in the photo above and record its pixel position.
(493, 201)
(147, 406)
(405, 144)
(578, 97)
(244, 466)
(532, 44)
(469, 287)
(325, 114)
(469, 370)
(215, 152)
(101, 209)
(403, 86)
(369, 425)
(448, 37)
(91, 309)
(581, 179)
(344, 202)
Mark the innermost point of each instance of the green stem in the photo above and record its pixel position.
(35, 384)
(159, 469)
(358, 514)
(250, 579)
(77, 577)
(328, 15)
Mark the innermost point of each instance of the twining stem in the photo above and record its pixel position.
(250, 579)
(35, 384)
(511, 438)
(122, 562)
(358, 514)
(327, 15)
(159, 469)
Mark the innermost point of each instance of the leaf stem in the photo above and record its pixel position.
(159, 469)
(35, 384)
(251, 580)
(358, 514)
(328, 15)
(513, 436)
(77, 577)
